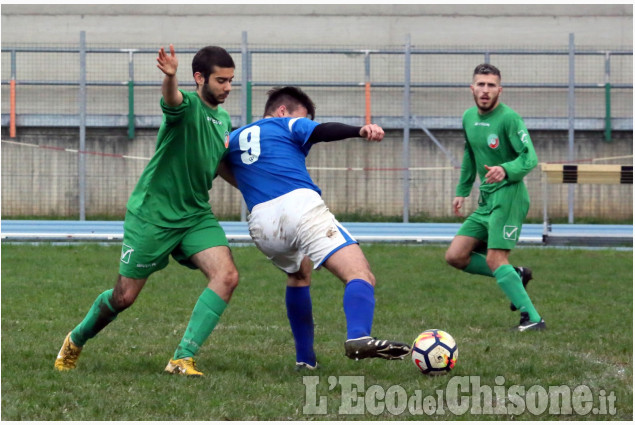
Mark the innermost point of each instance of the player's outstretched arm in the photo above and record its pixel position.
(332, 131)
(168, 64)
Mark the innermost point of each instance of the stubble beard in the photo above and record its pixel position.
(209, 96)
(493, 101)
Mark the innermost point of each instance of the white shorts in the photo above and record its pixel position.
(295, 225)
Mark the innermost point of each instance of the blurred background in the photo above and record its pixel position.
(80, 99)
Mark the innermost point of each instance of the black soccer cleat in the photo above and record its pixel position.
(525, 275)
(367, 346)
(527, 325)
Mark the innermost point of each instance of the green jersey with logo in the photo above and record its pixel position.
(173, 190)
(496, 138)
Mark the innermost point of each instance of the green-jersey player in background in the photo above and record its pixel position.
(169, 211)
(499, 150)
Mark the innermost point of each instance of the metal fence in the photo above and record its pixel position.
(417, 94)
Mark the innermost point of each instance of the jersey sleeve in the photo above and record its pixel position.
(468, 171)
(173, 114)
(332, 131)
(527, 159)
(301, 129)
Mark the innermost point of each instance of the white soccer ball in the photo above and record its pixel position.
(434, 352)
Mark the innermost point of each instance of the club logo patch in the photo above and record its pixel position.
(126, 252)
(510, 233)
(492, 141)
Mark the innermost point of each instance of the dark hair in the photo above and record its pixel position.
(486, 69)
(208, 57)
(291, 97)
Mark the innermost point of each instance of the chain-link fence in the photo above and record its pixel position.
(79, 123)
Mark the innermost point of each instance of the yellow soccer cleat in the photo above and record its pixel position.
(68, 355)
(186, 366)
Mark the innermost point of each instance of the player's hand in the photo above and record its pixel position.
(457, 204)
(167, 63)
(494, 174)
(372, 132)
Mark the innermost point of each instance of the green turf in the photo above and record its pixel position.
(586, 297)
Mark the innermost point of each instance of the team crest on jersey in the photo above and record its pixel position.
(226, 139)
(492, 141)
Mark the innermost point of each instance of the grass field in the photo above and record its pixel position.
(586, 297)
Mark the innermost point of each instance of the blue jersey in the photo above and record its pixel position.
(268, 158)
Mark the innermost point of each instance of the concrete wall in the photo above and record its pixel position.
(489, 25)
(40, 177)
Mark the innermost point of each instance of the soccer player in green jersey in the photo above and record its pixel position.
(499, 150)
(168, 212)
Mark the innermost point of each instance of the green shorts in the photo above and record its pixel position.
(146, 248)
(498, 220)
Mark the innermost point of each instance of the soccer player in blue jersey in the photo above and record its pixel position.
(292, 226)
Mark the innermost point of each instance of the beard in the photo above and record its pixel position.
(209, 96)
(493, 100)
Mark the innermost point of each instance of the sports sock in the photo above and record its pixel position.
(359, 308)
(300, 314)
(205, 316)
(512, 286)
(478, 265)
(100, 314)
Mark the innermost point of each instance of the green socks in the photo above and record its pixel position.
(99, 315)
(512, 286)
(205, 316)
(508, 280)
(478, 265)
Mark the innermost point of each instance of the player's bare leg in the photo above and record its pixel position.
(463, 254)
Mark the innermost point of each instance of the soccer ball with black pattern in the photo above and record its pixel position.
(434, 352)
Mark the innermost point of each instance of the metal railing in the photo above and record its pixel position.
(601, 75)
(401, 88)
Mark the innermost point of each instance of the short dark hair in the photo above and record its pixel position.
(487, 69)
(208, 57)
(291, 97)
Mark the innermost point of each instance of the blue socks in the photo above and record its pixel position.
(359, 308)
(300, 314)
